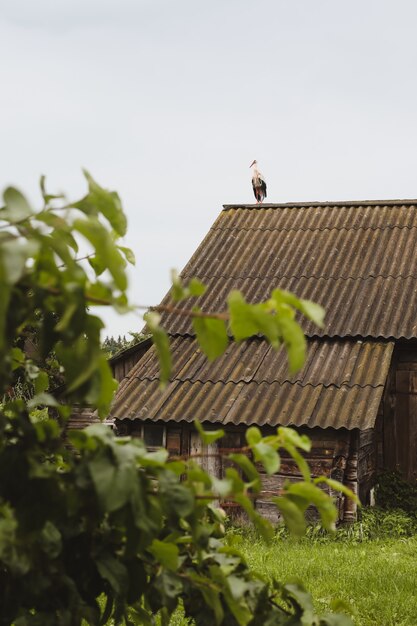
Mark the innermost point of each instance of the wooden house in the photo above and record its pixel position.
(356, 396)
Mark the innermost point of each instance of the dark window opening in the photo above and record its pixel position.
(153, 435)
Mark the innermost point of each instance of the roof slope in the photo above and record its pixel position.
(359, 260)
(340, 385)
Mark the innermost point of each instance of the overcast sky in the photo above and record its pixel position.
(169, 101)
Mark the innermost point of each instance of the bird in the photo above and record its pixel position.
(258, 183)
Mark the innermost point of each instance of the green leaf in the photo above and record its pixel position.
(99, 200)
(161, 343)
(208, 436)
(241, 323)
(98, 264)
(267, 324)
(113, 481)
(102, 392)
(337, 486)
(66, 318)
(211, 335)
(249, 470)
(47, 196)
(145, 617)
(129, 254)
(295, 343)
(212, 599)
(292, 514)
(233, 475)
(106, 252)
(112, 570)
(46, 430)
(301, 462)
(247, 320)
(169, 585)
(180, 499)
(267, 455)
(177, 290)
(253, 435)
(50, 539)
(319, 499)
(292, 436)
(300, 599)
(233, 590)
(222, 486)
(41, 383)
(166, 553)
(42, 399)
(18, 358)
(313, 311)
(310, 309)
(261, 523)
(196, 287)
(13, 259)
(17, 207)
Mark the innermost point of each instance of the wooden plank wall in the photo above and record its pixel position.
(334, 454)
(400, 414)
(123, 364)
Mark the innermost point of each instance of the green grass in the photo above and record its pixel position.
(377, 578)
(371, 566)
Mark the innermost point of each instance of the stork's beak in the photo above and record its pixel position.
(253, 162)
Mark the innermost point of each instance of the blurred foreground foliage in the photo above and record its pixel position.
(109, 518)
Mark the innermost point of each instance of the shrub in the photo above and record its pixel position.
(393, 492)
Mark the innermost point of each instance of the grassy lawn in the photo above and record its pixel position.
(377, 578)
(371, 566)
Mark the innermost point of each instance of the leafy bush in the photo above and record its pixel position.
(375, 523)
(115, 521)
(393, 492)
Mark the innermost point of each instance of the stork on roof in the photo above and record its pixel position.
(258, 183)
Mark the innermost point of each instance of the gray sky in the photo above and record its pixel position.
(168, 102)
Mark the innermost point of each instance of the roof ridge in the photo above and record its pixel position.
(313, 276)
(327, 203)
(309, 229)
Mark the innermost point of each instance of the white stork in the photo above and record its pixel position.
(258, 183)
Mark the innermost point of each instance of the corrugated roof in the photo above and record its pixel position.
(376, 307)
(328, 363)
(340, 385)
(358, 260)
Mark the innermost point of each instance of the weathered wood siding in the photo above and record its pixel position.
(122, 363)
(334, 454)
(399, 429)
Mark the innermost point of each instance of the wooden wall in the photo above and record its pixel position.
(334, 454)
(123, 362)
(399, 415)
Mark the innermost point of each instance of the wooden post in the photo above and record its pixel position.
(351, 479)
